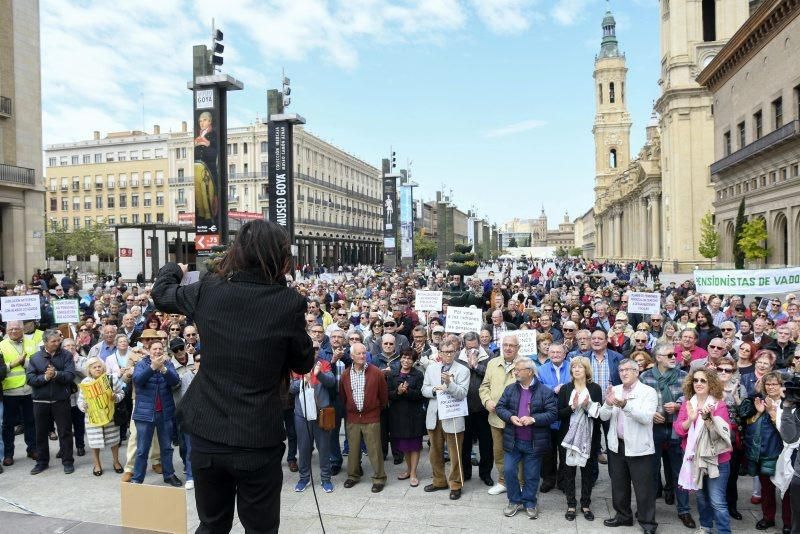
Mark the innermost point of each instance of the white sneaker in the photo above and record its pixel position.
(497, 489)
(189, 485)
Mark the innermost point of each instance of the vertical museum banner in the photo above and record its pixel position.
(406, 224)
(389, 218)
(281, 181)
(210, 200)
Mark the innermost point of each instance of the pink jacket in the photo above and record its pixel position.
(720, 411)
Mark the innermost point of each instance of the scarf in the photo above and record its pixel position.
(578, 439)
(665, 380)
(695, 464)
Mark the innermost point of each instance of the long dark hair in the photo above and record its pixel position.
(261, 247)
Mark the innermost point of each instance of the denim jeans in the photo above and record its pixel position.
(335, 448)
(187, 461)
(531, 470)
(665, 445)
(144, 438)
(712, 503)
(291, 434)
(305, 445)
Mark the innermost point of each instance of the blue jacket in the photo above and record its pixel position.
(149, 383)
(613, 358)
(544, 410)
(547, 374)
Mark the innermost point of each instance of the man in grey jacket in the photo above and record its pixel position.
(448, 381)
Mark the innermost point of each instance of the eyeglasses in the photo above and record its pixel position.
(447, 352)
(772, 384)
(726, 329)
(354, 338)
(625, 369)
(655, 320)
(700, 381)
(190, 335)
(669, 355)
(83, 330)
(174, 329)
(341, 315)
(388, 324)
(716, 347)
(568, 329)
(388, 343)
(640, 340)
(317, 331)
(726, 370)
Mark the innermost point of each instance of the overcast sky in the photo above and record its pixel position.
(490, 98)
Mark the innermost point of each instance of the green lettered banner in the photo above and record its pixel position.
(748, 282)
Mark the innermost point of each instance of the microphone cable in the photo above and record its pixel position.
(311, 440)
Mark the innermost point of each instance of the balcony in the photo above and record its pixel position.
(111, 185)
(76, 187)
(5, 107)
(263, 196)
(785, 133)
(180, 201)
(64, 188)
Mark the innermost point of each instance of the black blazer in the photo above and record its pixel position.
(565, 412)
(253, 333)
(407, 412)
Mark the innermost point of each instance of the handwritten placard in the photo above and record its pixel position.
(428, 301)
(449, 407)
(21, 308)
(646, 303)
(190, 278)
(66, 311)
(460, 320)
(99, 401)
(527, 341)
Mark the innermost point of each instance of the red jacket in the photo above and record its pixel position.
(376, 396)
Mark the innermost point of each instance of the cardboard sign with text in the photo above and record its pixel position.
(449, 407)
(428, 301)
(66, 311)
(527, 341)
(645, 303)
(20, 308)
(460, 320)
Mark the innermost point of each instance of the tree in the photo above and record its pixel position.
(753, 240)
(512, 243)
(738, 254)
(576, 252)
(709, 238)
(424, 247)
(561, 252)
(55, 244)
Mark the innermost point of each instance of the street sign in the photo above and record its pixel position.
(125, 252)
(206, 242)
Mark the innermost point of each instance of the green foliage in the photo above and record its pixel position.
(753, 240)
(463, 248)
(462, 261)
(709, 238)
(83, 243)
(55, 244)
(424, 247)
(512, 242)
(576, 252)
(738, 253)
(561, 252)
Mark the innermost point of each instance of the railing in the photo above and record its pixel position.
(5, 107)
(349, 192)
(180, 201)
(263, 196)
(786, 132)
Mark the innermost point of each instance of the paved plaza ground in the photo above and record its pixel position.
(398, 509)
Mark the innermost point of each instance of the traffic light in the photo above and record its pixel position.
(394, 159)
(286, 91)
(217, 48)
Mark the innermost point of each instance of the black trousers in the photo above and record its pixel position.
(45, 414)
(78, 426)
(794, 499)
(222, 480)
(477, 426)
(731, 491)
(551, 471)
(568, 474)
(638, 470)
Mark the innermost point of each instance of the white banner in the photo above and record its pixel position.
(527, 341)
(449, 407)
(748, 282)
(428, 301)
(460, 320)
(20, 308)
(646, 303)
(66, 311)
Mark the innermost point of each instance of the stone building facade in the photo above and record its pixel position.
(755, 82)
(22, 243)
(651, 207)
(535, 233)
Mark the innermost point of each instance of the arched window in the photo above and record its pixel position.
(611, 92)
(612, 158)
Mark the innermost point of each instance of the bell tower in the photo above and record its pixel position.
(612, 124)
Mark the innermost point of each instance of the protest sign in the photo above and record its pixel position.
(428, 301)
(460, 320)
(646, 303)
(66, 311)
(450, 407)
(748, 282)
(99, 401)
(190, 278)
(527, 341)
(20, 308)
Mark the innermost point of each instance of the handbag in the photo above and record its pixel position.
(326, 419)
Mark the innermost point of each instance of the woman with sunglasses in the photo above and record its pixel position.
(763, 445)
(733, 394)
(669, 335)
(85, 340)
(373, 339)
(704, 426)
(746, 358)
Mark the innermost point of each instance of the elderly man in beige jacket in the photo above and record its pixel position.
(499, 374)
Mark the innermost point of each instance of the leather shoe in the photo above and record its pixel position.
(488, 481)
(293, 466)
(126, 477)
(687, 520)
(546, 487)
(38, 468)
(174, 481)
(8, 461)
(59, 454)
(69, 469)
(455, 494)
(615, 522)
(787, 530)
(398, 459)
(377, 488)
(350, 482)
(669, 498)
(430, 487)
(33, 455)
(81, 451)
(735, 514)
(763, 524)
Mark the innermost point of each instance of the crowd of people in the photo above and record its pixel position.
(685, 401)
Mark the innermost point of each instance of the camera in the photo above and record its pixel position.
(792, 387)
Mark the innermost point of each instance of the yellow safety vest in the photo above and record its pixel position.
(31, 346)
(16, 375)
